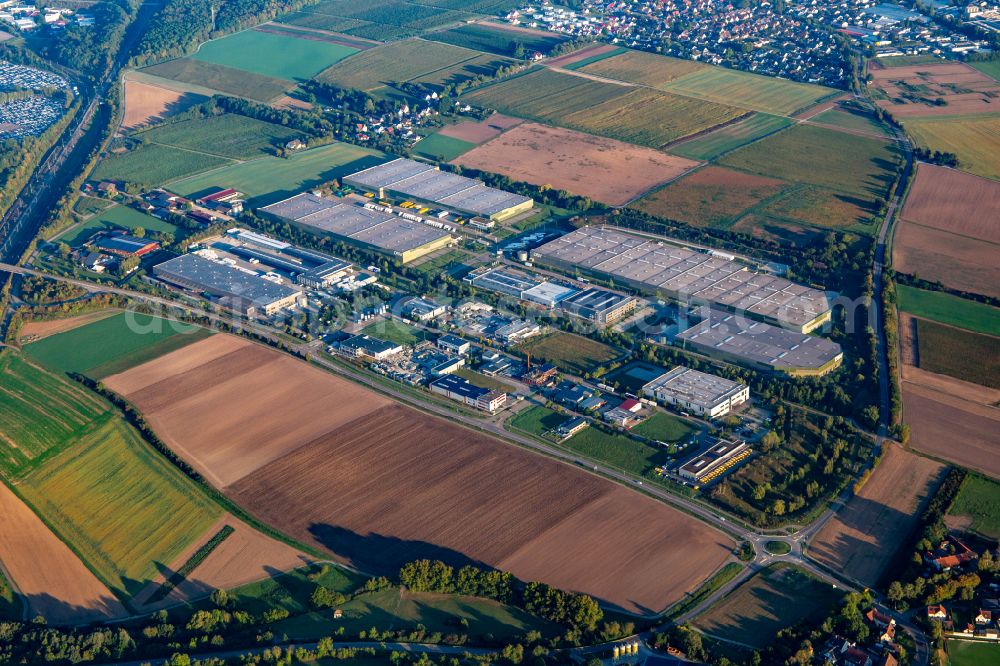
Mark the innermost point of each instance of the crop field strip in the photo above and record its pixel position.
(954, 201)
(152, 165)
(284, 56)
(308, 483)
(728, 138)
(975, 140)
(227, 80)
(229, 136)
(632, 114)
(951, 310)
(497, 40)
(951, 351)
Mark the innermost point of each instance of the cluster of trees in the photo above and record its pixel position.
(936, 157)
(92, 49)
(34, 643)
(43, 291)
(25, 314)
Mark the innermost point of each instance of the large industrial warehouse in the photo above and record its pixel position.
(677, 272)
(426, 183)
(235, 289)
(733, 338)
(367, 228)
(703, 394)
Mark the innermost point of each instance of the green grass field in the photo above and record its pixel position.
(279, 56)
(152, 165)
(850, 120)
(124, 509)
(665, 427)
(90, 205)
(616, 450)
(974, 139)
(979, 500)
(114, 344)
(442, 148)
(206, 75)
(117, 217)
(730, 137)
(40, 414)
(537, 420)
(988, 67)
(957, 353)
(571, 353)
(271, 179)
(636, 115)
(750, 91)
(948, 309)
(228, 135)
(968, 653)
(395, 331)
(483, 37)
(580, 64)
(395, 62)
(855, 165)
(777, 597)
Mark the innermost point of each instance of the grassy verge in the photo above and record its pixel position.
(724, 575)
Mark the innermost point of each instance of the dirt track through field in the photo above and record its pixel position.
(55, 582)
(376, 483)
(863, 538)
(605, 170)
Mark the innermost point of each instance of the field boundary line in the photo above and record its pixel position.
(235, 160)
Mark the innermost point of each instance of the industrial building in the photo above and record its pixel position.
(370, 229)
(656, 267)
(124, 245)
(366, 346)
(520, 285)
(237, 289)
(308, 267)
(461, 390)
(426, 183)
(600, 305)
(716, 461)
(700, 393)
(733, 338)
(422, 309)
(453, 344)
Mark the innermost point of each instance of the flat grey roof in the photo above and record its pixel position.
(426, 182)
(596, 300)
(223, 280)
(339, 217)
(657, 265)
(506, 280)
(695, 387)
(760, 343)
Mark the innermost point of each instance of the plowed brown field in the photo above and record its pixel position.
(959, 262)
(480, 131)
(376, 483)
(963, 89)
(955, 201)
(146, 104)
(605, 170)
(53, 580)
(863, 538)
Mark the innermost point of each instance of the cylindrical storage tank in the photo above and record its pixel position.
(635, 648)
(616, 652)
(522, 255)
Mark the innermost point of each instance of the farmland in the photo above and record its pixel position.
(730, 137)
(978, 503)
(460, 507)
(380, 19)
(942, 89)
(850, 120)
(151, 165)
(952, 201)
(777, 597)
(975, 140)
(571, 353)
(441, 147)
(711, 196)
(228, 135)
(948, 309)
(604, 170)
(271, 179)
(967, 653)
(636, 115)
(497, 39)
(279, 56)
(146, 103)
(967, 264)
(481, 131)
(223, 79)
(116, 217)
(951, 351)
(113, 344)
(862, 539)
(643, 68)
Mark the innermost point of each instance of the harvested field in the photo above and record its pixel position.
(224, 79)
(226, 135)
(945, 89)
(974, 139)
(481, 131)
(958, 262)
(973, 393)
(642, 68)
(776, 597)
(146, 104)
(862, 539)
(822, 208)
(952, 428)
(53, 580)
(604, 170)
(36, 330)
(710, 197)
(577, 57)
(954, 201)
(174, 388)
(437, 490)
(951, 351)
(246, 556)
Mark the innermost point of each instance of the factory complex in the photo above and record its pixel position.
(461, 390)
(363, 226)
(700, 393)
(235, 288)
(598, 305)
(656, 267)
(733, 338)
(720, 457)
(426, 183)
